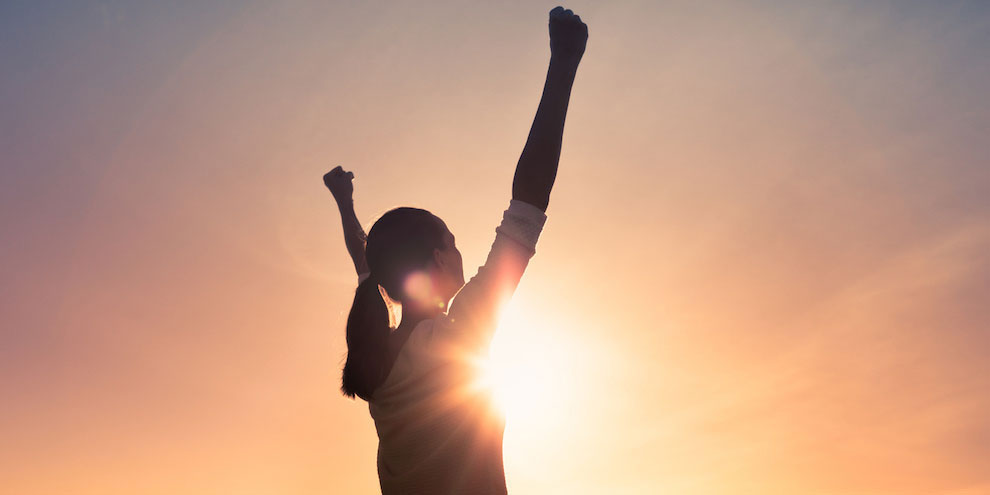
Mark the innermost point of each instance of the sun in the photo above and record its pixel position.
(528, 368)
(538, 375)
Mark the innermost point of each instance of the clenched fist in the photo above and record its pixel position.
(339, 183)
(568, 36)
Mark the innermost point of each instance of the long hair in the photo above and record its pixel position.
(400, 242)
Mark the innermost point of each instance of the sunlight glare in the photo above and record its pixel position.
(529, 367)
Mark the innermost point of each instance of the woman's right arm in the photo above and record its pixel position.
(476, 307)
(339, 182)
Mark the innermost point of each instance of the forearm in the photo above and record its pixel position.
(537, 167)
(354, 236)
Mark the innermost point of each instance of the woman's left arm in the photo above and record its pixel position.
(340, 184)
(475, 309)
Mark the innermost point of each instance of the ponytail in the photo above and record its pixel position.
(401, 241)
(367, 341)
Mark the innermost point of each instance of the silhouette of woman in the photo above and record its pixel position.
(436, 428)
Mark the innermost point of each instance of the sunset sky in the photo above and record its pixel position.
(765, 270)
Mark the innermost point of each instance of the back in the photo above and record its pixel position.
(438, 429)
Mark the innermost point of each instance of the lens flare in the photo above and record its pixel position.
(417, 286)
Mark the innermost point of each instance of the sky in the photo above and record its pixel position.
(765, 270)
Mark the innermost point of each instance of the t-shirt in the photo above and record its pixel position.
(438, 430)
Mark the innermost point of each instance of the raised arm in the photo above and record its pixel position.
(537, 167)
(341, 186)
(475, 309)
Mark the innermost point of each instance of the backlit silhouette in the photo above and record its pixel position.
(436, 426)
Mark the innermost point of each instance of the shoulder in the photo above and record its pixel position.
(436, 340)
(424, 342)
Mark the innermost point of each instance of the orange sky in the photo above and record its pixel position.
(765, 269)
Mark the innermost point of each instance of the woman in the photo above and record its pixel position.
(436, 428)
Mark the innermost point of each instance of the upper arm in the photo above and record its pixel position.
(476, 307)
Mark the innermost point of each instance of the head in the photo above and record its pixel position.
(412, 256)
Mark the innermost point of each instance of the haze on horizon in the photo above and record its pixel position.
(765, 271)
